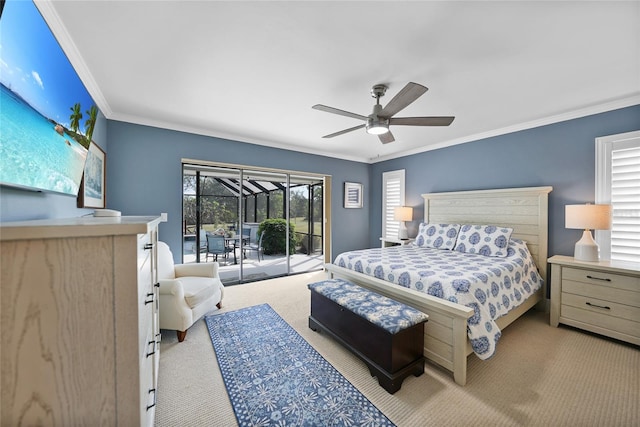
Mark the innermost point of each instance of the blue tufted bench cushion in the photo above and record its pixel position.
(384, 312)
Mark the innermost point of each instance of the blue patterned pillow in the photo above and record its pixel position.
(438, 236)
(487, 240)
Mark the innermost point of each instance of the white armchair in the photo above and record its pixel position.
(187, 291)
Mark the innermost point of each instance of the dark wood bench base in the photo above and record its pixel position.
(390, 357)
(390, 382)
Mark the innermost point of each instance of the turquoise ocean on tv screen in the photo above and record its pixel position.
(32, 153)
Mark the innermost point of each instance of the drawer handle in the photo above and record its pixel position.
(148, 246)
(604, 279)
(157, 285)
(152, 390)
(598, 306)
(154, 348)
(149, 301)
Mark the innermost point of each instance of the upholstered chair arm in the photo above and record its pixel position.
(172, 287)
(203, 269)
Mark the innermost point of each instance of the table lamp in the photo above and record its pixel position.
(587, 217)
(402, 214)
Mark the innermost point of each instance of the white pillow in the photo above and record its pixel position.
(438, 236)
(487, 240)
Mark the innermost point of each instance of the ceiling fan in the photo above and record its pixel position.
(378, 122)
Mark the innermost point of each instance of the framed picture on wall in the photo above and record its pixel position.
(352, 195)
(93, 187)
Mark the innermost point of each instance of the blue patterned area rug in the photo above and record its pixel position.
(275, 378)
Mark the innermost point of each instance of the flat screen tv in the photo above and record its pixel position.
(46, 114)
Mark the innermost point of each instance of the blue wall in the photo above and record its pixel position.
(144, 177)
(144, 174)
(561, 155)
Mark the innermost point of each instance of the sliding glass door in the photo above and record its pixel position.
(257, 224)
(265, 248)
(210, 209)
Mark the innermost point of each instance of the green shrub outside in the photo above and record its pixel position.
(275, 237)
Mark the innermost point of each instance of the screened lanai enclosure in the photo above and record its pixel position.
(256, 224)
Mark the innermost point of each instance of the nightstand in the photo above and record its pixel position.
(601, 297)
(386, 242)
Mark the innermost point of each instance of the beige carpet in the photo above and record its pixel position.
(540, 376)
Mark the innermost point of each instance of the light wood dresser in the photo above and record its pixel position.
(601, 297)
(80, 331)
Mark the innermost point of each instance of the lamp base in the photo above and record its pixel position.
(402, 232)
(586, 248)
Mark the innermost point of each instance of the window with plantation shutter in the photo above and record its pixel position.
(392, 196)
(618, 183)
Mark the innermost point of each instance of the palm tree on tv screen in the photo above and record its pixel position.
(75, 117)
(90, 124)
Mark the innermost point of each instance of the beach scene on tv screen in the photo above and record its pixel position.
(47, 115)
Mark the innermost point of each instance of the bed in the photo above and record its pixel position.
(447, 343)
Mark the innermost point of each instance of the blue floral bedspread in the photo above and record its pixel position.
(491, 286)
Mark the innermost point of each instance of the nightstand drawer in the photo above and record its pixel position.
(600, 321)
(595, 277)
(603, 292)
(601, 307)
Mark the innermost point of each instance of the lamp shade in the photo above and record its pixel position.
(588, 217)
(403, 213)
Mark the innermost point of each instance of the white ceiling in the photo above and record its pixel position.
(250, 71)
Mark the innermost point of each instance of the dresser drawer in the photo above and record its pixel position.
(145, 327)
(144, 251)
(145, 285)
(147, 391)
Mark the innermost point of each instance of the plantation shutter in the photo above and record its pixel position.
(392, 196)
(625, 203)
(618, 183)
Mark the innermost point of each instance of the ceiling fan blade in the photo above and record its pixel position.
(386, 138)
(344, 131)
(406, 96)
(339, 112)
(421, 121)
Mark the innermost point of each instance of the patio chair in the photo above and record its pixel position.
(203, 240)
(216, 246)
(246, 233)
(256, 247)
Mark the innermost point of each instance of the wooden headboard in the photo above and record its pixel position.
(523, 209)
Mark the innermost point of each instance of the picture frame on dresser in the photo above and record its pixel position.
(92, 192)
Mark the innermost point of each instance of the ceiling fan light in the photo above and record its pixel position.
(377, 127)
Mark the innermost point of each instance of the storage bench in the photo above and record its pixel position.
(386, 335)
